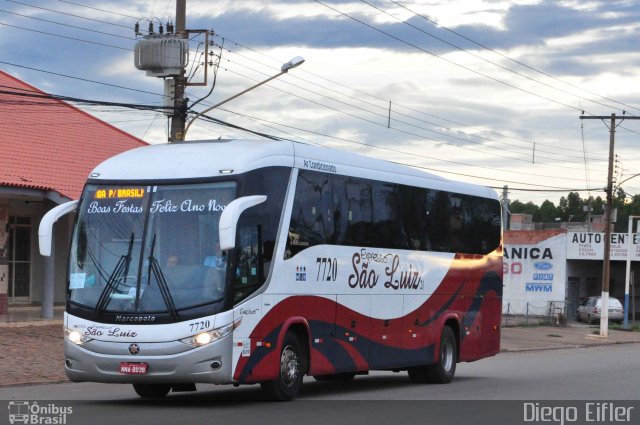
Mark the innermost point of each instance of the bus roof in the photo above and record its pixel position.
(215, 158)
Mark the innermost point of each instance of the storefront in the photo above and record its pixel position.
(546, 270)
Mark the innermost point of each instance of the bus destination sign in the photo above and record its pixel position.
(119, 193)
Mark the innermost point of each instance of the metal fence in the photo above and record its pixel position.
(553, 313)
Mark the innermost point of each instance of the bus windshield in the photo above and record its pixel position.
(125, 256)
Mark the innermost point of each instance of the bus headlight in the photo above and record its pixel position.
(204, 338)
(75, 337)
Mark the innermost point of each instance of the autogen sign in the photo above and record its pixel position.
(590, 246)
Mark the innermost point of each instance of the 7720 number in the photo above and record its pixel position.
(327, 269)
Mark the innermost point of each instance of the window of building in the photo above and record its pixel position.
(19, 258)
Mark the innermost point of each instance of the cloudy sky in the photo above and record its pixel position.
(486, 91)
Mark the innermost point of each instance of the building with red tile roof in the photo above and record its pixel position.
(48, 149)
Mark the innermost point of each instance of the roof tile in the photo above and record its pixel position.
(49, 144)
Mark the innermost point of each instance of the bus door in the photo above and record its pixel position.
(352, 332)
(386, 349)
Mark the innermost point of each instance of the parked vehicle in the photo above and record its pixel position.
(590, 310)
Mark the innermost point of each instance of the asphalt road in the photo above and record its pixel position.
(544, 377)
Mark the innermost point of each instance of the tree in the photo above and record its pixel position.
(517, 207)
(575, 212)
(548, 212)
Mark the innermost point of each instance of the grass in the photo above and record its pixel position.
(554, 336)
(532, 324)
(617, 327)
(620, 327)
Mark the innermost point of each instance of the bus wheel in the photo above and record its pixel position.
(443, 371)
(152, 390)
(291, 371)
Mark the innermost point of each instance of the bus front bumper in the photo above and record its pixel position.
(100, 361)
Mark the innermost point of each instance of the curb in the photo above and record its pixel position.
(599, 344)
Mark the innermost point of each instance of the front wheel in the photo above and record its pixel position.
(291, 371)
(152, 390)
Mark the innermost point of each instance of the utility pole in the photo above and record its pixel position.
(606, 268)
(180, 105)
(505, 208)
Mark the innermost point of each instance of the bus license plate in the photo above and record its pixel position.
(133, 368)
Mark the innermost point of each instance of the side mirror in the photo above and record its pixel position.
(231, 215)
(45, 231)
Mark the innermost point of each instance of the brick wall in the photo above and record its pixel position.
(529, 237)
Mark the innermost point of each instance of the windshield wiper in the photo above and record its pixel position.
(154, 268)
(112, 285)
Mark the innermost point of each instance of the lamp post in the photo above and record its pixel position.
(295, 62)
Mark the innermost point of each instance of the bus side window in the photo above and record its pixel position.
(246, 269)
(312, 217)
(438, 225)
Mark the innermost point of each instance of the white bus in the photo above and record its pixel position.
(242, 262)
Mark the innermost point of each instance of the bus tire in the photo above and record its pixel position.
(291, 370)
(443, 371)
(152, 390)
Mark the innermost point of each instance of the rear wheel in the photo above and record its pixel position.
(443, 371)
(152, 390)
(291, 371)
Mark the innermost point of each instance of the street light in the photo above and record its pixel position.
(293, 63)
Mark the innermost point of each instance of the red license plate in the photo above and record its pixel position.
(133, 368)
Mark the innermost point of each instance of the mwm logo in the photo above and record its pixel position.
(538, 287)
(543, 265)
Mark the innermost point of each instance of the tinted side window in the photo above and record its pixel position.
(312, 216)
(257, 229)
(341, 210)
(387, 220)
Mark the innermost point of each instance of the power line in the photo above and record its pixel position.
(412, 154)
(67, 25)
(385, 101)
(66, 37)
(398, 129)
(509, 58)
(80, 78)
(504, 68)
(447, 60)
(68, 14)
(98, 9)
(20, 94)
